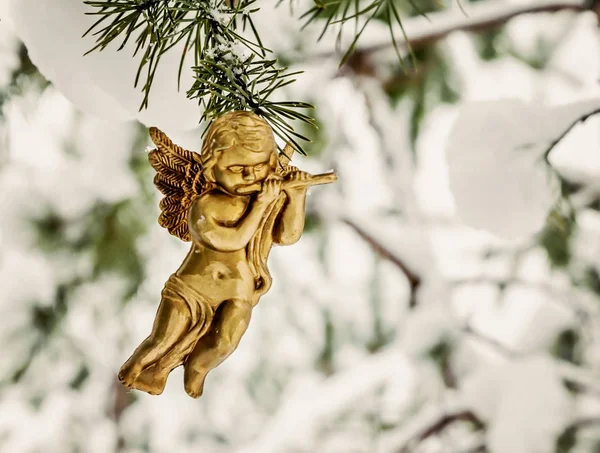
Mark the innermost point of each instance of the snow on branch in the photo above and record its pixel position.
(582, 378)
(311, 406)
(568, 298)
(430, 421)
(478, 16)
(501, 147)
(579, 376)
(413, 279)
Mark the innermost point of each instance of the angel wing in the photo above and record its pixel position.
(179, 179)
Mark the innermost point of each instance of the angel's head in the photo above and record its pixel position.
(239, 152)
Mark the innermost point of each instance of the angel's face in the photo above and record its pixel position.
(239, 171)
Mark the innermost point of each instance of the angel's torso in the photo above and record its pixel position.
(221, 275)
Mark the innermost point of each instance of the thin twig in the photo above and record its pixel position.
(445, 421)
(431, 420)
(577, 121)
(413, 279)
(440, 425)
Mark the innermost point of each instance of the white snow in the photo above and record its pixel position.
(498, 177)
(309, 406)
(101, 83)
(510, 397)
(427, 327)
(280, 391)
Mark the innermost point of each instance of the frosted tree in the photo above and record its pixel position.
(444, 297)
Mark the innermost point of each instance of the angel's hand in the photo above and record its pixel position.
(294, 183)
(271, 189)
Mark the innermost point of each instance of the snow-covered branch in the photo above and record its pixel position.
(413, 279)
(583, 378)
(437, 425)
(508, 150)
(575, 122)
(429, 420)
(473, 17)
(565, 297)
(305, 411)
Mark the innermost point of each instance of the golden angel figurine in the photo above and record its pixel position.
(233, 201)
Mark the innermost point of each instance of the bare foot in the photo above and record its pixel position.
(151, 382)
(128, 373)
(194, 383)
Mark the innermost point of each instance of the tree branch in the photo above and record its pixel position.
(580, 377)
(431, 420)
(413, 279)
(563, 297)
(306, 411)
(447, 420)
(581, 119)
(440, 425)
(428, 423)
(483, 16)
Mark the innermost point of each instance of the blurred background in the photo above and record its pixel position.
(391, 327)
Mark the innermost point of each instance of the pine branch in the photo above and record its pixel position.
(232, 70)
(341, 12)
(224, 83)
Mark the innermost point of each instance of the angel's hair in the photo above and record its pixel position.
(246, 129)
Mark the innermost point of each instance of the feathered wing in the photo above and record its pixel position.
(179, 179)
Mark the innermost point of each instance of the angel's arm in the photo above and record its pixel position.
(290, 224)
(206, 229)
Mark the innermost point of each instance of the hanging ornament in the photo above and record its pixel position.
(233, 202)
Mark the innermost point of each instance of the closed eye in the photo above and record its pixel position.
(236, 168)
(259, 167)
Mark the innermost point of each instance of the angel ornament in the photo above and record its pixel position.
(233, 201)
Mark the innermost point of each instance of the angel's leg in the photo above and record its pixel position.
(171, 323)
(230, 323)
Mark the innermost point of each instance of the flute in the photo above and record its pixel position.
(313, 180)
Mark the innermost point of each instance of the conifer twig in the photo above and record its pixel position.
(231, 66)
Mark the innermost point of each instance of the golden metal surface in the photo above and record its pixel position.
(233, 201)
